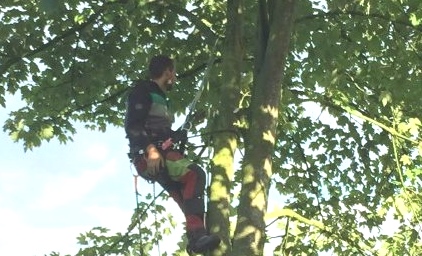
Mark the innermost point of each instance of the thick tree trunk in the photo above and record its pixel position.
(249, 237)
(225, 143)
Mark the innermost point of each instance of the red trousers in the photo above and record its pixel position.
(185, 183)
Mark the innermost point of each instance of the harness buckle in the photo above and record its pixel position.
(132, 155)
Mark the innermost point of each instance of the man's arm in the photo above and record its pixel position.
(138, 105)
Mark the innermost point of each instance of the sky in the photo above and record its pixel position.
(50, 195)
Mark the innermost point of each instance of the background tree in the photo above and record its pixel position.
(342, 147)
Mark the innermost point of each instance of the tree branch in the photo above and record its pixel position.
(361, 246)
(358, 14)
(357, 113)
(50, 43)
(209, 34)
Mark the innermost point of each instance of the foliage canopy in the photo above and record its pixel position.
(341, 145)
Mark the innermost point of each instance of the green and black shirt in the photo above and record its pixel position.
(148, 118)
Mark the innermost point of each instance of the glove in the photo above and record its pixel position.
(155, 161)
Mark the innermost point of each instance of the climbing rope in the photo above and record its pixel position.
(140, 216)
(155, 219)
(187, 125)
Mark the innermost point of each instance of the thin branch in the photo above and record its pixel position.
(207, 31)
(358, 14)
(392, 131)
(72, 31)
(198, 69)
(359, 245)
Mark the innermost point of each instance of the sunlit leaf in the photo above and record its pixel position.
(385, 97)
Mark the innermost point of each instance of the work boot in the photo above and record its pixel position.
(200, 242)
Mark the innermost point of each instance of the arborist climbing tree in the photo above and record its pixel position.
(152, 150)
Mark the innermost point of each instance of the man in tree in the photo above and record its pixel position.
(148, 128)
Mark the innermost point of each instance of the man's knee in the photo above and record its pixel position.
(194, 206)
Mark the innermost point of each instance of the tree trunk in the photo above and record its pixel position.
(225, 143)
(249, 237)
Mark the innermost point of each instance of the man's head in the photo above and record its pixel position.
(163, 71)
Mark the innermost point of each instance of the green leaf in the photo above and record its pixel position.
(406, 160)
(47, 132)
(415, 20)
(51, 6)
(414, 126)
(420, 149)
(385, 98)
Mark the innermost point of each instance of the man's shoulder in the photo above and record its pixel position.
(144, 86)
(142, 83)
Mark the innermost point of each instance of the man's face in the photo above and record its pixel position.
(171, 79)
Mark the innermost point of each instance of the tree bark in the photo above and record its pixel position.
(225, 143)
(249, 236)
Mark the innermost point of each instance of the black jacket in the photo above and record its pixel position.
(148, 119)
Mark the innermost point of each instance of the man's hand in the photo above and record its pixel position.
(155, 161)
